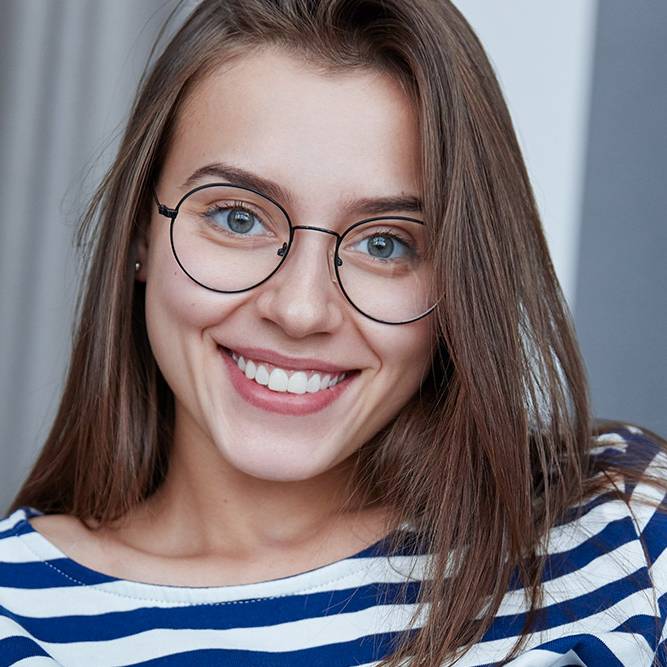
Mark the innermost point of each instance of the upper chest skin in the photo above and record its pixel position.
(105, 552)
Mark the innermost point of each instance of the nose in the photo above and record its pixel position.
(302, 297)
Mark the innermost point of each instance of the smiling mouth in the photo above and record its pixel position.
(285, 380)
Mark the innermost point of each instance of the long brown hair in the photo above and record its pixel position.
(493, 447)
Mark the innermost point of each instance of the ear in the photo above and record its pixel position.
(140, 255)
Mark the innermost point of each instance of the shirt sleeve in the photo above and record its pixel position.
(648, 507)
(605, 574)
(636, 590)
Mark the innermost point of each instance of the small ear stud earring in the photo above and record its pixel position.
(137, 266)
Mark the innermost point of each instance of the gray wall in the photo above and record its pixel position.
(621, 296)
(67, 74)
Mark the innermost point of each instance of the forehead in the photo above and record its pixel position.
(322, 137)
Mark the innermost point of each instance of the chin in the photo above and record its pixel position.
(277, 461)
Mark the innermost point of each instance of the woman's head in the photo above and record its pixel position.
(471, 422)
(328, 142)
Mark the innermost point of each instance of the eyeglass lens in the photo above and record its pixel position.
(230, 239)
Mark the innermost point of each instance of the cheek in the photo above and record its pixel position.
(178, 311)
(174, 305)
(174, 301)
(405, 355)
(411, 348)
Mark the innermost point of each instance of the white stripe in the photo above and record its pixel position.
(630, 648)
(123, 596)
(599, 625)
(339, 576)
(276, 638)
(540, 658)
(573, 534)
(606, 568)
(8, 628)
(658, 572)
(28, 548)
(10, 521)
(344, 627)
(609, 441)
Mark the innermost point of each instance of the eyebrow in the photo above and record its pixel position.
(237, 176)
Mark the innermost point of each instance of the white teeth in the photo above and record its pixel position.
(293, 382)
(278, 380)
(313, 384)
(262, 375)
(297, 383)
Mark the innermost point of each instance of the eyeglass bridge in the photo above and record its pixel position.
(281, 252)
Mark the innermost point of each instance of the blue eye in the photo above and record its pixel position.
(236, 219)
(383, 245)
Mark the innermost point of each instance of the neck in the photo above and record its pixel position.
(207, 506)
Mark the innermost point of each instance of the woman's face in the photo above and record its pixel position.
(325, 140)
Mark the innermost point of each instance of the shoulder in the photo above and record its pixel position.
(633, 461)
(11, 527)
(30, 536)
(637, 458)
(22, 552)
(604, 575)
(630, 448)
(63, 530)
(606, 560)
(18, 563)
(629, 466)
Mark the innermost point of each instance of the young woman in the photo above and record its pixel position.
(325, 405)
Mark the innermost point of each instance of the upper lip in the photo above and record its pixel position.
(277, 359)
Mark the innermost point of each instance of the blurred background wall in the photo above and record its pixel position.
(586, 83)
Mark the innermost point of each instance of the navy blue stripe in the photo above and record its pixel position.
(343, 654)
(614, 535)
(4, 534)
(639, 453)
(262, 613)
(23, 527)
(649, 627)
(571, 610)
(39, 574)
(662, 604)
(14, 649)
(574, 514)
(591, 650)
(661, 654)
(654, 534)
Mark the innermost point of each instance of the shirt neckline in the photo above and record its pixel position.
(325, 577)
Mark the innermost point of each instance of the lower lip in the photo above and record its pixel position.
(284, 403)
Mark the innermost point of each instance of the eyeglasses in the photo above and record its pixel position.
(229, 238)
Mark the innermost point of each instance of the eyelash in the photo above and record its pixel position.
(407, 243)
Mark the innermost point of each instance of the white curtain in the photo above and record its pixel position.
(68, 72)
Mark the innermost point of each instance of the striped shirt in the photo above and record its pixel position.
(605, 600)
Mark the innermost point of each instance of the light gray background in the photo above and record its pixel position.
(586, 86)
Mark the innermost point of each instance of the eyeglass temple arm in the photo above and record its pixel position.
(162, 209)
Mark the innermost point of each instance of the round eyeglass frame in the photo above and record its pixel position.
(172, 213)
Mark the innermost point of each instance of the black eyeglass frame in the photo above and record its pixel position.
(172, 213)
